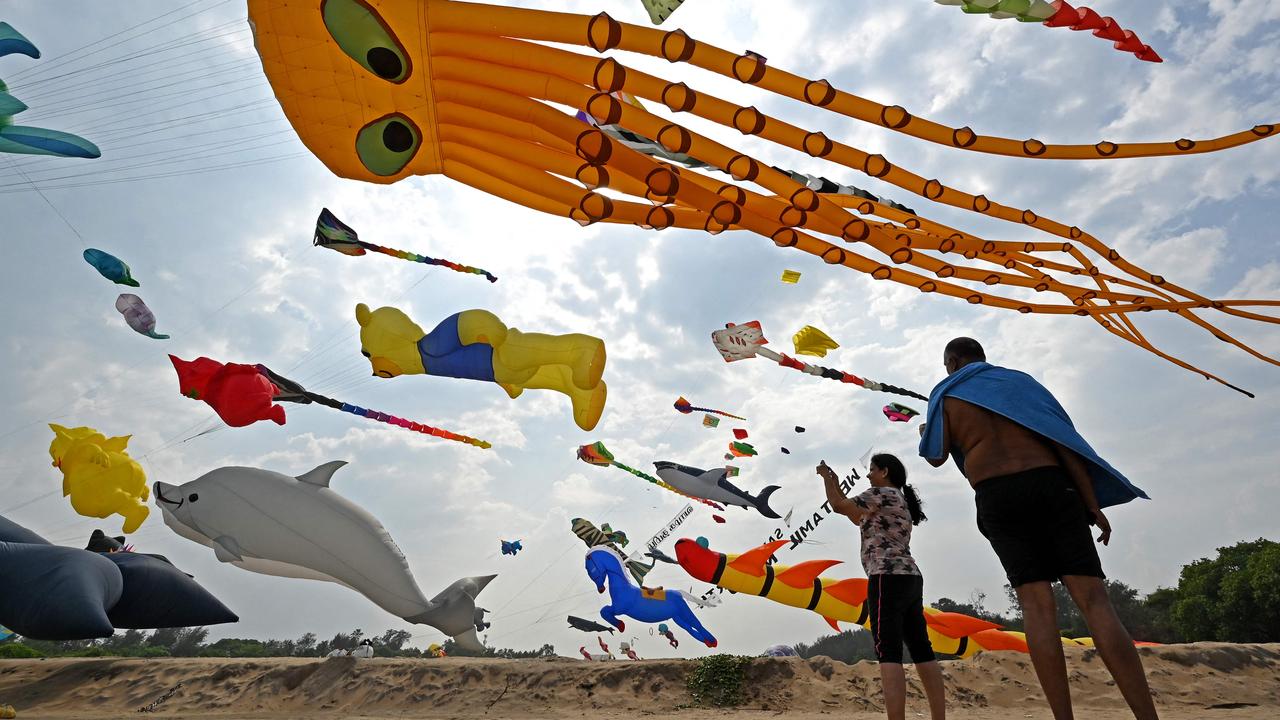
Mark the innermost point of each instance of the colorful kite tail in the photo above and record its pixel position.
(684, 407)
(844, 377)
(414, 257)
(397, 421)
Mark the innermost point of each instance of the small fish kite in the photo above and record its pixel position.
(110, 267)
(710, 421)
(244, 394)
(740, 434)
(791, 277)
(799, 429)
(597, 454)
(511, 547)
(334, 234)
(741, 449)
(584, 625)
(1060, 14)
(685, 408)
(897, 412)
(746, 340)
(812, 341)
(138, 315)
(786, 451)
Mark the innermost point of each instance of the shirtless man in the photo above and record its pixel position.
(1035, 503)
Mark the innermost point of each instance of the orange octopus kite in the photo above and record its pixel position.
(382, 90)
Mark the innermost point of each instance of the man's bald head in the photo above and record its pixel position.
(961, 352)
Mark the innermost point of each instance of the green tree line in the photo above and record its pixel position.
(1234, 597)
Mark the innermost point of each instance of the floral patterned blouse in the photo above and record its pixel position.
(886, 532)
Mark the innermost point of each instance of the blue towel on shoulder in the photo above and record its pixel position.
(1017, 396)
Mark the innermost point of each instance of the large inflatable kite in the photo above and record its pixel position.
(32, 140)
(274, 524)
(1060, 14)
(604, 567)
(99, 476)
(336, 235)
(383, 90)
(714, 485)
(597, 454)
(836, 601)
(244, 394)
(60, 593)
(476, 345)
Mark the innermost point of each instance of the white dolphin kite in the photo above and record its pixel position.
(273, 524)
(714, 485)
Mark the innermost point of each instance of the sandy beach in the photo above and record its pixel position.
(1190, 681)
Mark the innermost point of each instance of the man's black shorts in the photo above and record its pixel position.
(895, 604)
(1038, 526)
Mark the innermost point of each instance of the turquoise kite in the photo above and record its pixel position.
(110, 267)
(32, 140)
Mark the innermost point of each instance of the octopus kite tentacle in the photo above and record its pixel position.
(471, 92)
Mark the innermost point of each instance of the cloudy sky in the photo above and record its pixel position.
(205, 190)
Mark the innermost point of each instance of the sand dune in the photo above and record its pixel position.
(1190, 681)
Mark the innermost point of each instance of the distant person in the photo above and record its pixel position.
(1038, 487)
(886, 512)
(363, 650)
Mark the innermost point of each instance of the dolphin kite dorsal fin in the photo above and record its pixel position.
(321, 475)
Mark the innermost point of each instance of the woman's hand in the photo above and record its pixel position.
(826, 473)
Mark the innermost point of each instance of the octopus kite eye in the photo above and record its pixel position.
(385, 146)
(365, 38)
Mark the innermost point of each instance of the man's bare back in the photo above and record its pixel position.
(992, 444)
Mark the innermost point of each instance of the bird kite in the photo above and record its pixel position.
(1060, 14)
(336, 235)
(739, 342)
(244, 394)
(382, 90)
(683, 406)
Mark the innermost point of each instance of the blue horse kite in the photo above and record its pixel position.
(641, 603)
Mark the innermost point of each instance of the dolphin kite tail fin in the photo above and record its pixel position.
(761, 503)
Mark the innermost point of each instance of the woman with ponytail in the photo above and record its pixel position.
(886, 512)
